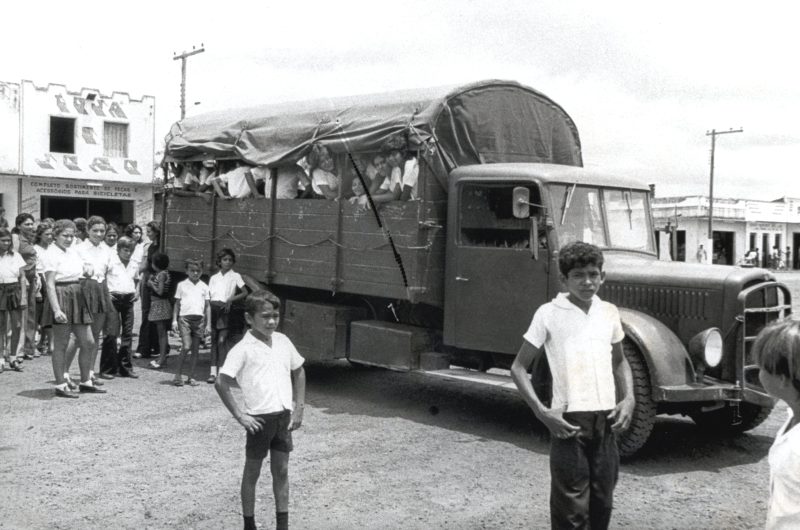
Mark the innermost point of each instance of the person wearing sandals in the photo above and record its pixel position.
(42, 240)
(96, 257)
(67, 310)
(160, 312)
(191, 314)
(11, 276)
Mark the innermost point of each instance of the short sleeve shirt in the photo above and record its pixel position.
(98, 256)
(10, 263)
(393, 181)
(193, 297)
(67, 264)
(783, 510)
(263, 372)
(223, 286)
(578, 347)
(320, 177)
(411, 175)
(121, 277)
(237, 183)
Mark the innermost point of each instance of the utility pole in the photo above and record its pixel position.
(183, 56)
(713, 133)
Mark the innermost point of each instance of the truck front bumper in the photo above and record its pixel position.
(712, 390)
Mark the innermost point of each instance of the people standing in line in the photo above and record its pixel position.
(191, 317)
(42, 240)
(24, 234)
(160, 313)
(269, 370)
(68, 311)
(12, 274)
(119, 322)
(148, 338)
(581, 336)
(96, 256)
(776, 350)
(223, 287)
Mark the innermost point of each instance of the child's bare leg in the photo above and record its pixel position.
(186, 345)
(71, 348)
(61, 336)
(163, 344)
(279, 466)
(252, 470)
(98, 321)
(85, 340)
(222, 349)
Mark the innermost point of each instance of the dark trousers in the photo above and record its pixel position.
(148, 336)
(119, 323)
(584, 472)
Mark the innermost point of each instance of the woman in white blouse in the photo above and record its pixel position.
(67, 309)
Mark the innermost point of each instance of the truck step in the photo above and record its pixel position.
(495, 377)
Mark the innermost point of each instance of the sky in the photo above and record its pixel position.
(643, 81)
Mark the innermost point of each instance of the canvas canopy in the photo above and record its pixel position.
(484, 122)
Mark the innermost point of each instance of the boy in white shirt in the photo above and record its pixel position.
(777, 352)
(191, 312)
(270, 372)
(582, 337)
(121, 277)
(223, 286)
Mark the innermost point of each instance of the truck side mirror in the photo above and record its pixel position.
(521, 198)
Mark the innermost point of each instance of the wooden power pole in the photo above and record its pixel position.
(713, 133)
(183, 56)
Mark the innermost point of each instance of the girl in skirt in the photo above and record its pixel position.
(11, 274)
(67, 309)
(160, 308)
(43, 239)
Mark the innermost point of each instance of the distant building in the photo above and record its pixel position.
(739, 225)
(67, 154)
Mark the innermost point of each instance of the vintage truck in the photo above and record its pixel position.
(452, 278)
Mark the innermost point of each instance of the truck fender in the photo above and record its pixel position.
(667, 360)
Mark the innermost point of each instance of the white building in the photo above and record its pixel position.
(738, 226)
(68, 154)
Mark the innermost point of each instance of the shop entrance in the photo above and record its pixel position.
(724, 252)
(120, 212)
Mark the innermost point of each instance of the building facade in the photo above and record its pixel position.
(738, 226)
(68, 154)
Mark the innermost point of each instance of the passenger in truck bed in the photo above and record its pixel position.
(404, 168)
(236, 182)
(290, 179)
(325, 181)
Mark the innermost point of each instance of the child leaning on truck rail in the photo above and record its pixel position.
(269, 370)
(582, 337)
(777, 352)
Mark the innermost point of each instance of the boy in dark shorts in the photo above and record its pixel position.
(270, 372)
(582, 338)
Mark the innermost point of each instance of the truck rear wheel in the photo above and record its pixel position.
(644, 412)
(724, 421)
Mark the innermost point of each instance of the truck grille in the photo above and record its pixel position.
(667, 302)
(759, 305)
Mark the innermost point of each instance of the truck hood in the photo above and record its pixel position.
(624, 267)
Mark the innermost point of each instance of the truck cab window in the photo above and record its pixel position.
(487, 219)
(578, 216)
(628, 223)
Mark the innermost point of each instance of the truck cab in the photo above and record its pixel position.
(688, 327)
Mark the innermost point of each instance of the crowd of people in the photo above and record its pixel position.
(391, 174)
(68, 288)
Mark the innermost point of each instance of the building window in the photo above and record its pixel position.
(115, 140)
(62, 135)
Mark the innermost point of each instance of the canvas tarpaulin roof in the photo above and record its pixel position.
(484, 122)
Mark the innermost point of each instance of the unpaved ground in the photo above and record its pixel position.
(378, 449)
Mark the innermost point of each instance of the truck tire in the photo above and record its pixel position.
(722, 420)
(644, 412)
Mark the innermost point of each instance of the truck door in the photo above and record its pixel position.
(493, 282)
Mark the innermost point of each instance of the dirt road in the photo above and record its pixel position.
(378, 449)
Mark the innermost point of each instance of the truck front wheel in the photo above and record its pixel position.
(644, 413)
(725, 420)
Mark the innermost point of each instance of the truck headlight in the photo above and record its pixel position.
(706, 347)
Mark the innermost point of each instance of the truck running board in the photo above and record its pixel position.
(495, 377)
